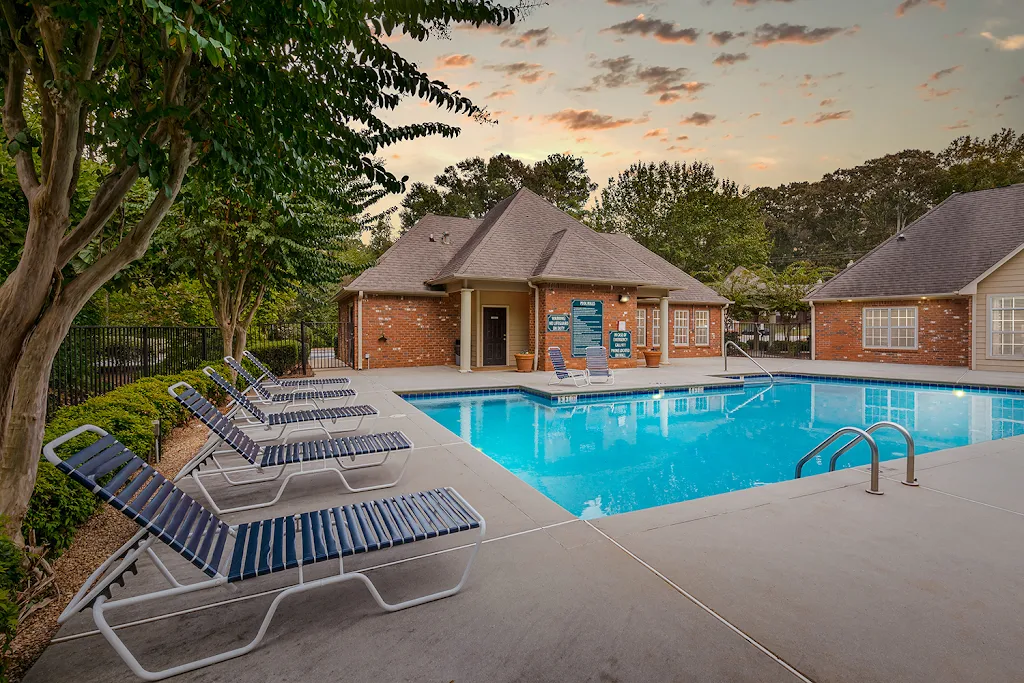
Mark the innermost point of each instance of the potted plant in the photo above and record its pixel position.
(652, 358)
(524, 361)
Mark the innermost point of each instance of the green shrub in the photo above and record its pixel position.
(58, 505)
(281, 357)
(12, 576)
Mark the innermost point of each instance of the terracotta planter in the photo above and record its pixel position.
(652, 358)
(524, 362)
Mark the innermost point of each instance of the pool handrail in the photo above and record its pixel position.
(875, 466)
(736, 346)
(911, 479)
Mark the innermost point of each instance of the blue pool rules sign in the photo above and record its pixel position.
(587, 325)
(620, 344)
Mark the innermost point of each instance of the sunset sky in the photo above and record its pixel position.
(769, 91)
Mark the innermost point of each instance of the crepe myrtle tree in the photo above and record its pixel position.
(261, 93)
(241, 249)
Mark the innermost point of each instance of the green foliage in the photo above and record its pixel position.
(280, 356)
(12, 577)
(841, 217)
(177, 303)
(684, 213)
(761, 290)
(58, 505)
(471, 187)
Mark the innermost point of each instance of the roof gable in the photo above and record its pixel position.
(523, 237)
(943, 252)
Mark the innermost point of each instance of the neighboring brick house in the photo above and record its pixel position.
(947, 290)
(482, 285)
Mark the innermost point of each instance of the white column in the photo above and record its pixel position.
(663, 331)
(814, 337)
(466, 331)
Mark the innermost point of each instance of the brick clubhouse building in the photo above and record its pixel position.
(478, 287)
(947, 290)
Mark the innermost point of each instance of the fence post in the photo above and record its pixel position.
(205, 351)
(145, 351)
(302, 334)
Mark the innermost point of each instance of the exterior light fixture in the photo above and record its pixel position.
(623, 298)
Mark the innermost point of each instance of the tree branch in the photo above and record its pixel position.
(14, 123)
(133, 246)
(104, 203)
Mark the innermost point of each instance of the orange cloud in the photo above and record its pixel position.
(728, 59)
(957, 126)
(587, 119)
(655, 133)
(826, 116)
(455, 61)
(772, 34)
(789, 122)
(663, 31)
(501, 94)
(760, 166)
(910, 4)
(698, 118)
(526, 72)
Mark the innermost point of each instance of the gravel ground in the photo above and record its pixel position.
(95, 542)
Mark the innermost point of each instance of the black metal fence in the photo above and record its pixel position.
(93, 360)
(770, 340)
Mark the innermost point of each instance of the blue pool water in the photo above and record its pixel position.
(608, 455)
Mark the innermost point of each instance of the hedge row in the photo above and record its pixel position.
(282, 357)
(58, 505)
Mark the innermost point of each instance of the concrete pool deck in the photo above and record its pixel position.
(810, 579)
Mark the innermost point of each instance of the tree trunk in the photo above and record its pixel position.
(35, 315)
(241, 337)
(23, 439)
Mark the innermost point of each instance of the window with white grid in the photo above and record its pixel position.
(655, 327)
(641, 327)
(1007, 314)
(680, 327)
(701, 328)
(890, 328)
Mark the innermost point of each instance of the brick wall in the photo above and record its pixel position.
(419, 330)
(691, 350)
(557, 298)
(943, 331)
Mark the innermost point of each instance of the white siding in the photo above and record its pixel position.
(1008, 279)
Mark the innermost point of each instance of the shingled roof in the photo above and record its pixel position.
(414, 259)
(523, 238)
(943, 252)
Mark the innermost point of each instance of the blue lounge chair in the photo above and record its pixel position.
(597, 365)
(301, 382)
(257, 458)
(292, 421)
(562, 373)
(232, 554)
(293, 397)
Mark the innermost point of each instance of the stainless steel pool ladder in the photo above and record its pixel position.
(737, 347)
(864, 435)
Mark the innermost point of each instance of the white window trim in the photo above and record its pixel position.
(707, 312)
(991, 334)
(683, 313)
(656, 328)
(641, 330)
(889, 347)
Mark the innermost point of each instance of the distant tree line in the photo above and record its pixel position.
(708, 225)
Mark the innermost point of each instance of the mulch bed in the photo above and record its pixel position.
(104, 533)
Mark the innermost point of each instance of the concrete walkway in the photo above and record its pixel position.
(805, 580)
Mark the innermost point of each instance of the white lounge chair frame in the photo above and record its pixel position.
(94, 593)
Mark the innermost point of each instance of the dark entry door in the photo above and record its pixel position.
(495, 332)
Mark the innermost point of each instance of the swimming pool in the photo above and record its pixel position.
(607, 455)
